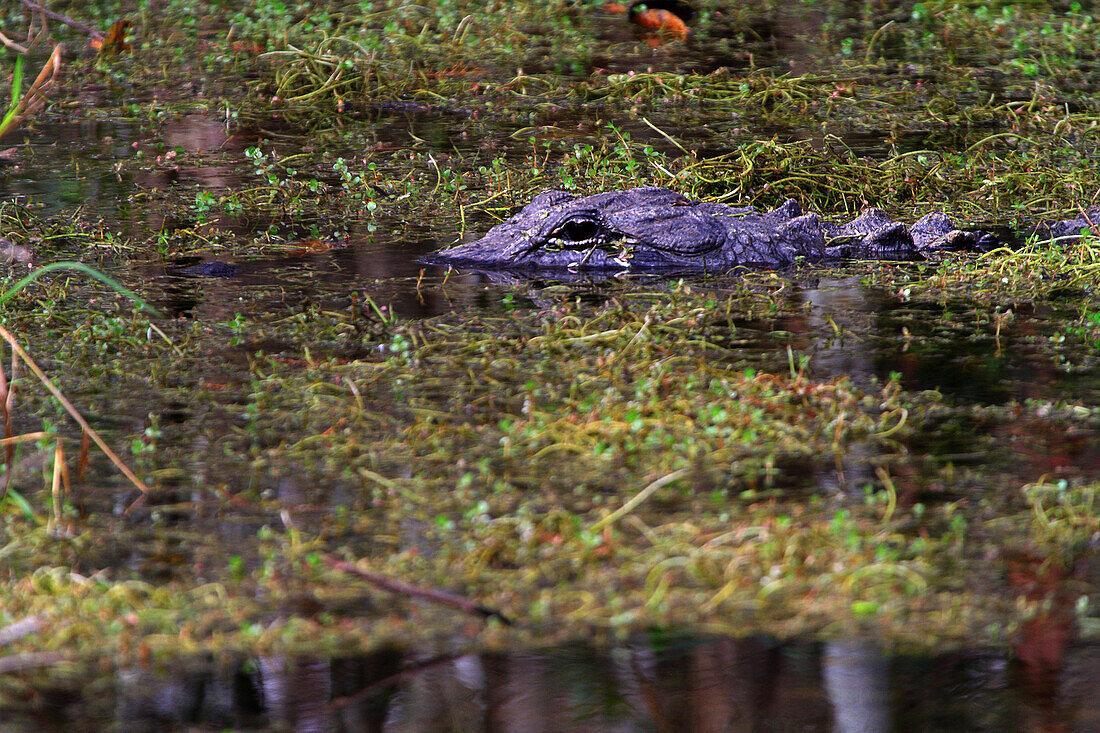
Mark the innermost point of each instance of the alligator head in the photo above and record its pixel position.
(614, 230)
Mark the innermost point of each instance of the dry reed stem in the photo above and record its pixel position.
(7, 403)
(12, 44)
(26, 438)
(35, 97)
(138, 483)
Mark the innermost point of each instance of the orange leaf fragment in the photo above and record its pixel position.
(247, 47)
(664, 21)
(115, 39)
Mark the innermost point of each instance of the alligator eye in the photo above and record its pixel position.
(578, 230)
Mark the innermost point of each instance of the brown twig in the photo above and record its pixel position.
(36, 94)
(7, 401)
(82, 460)
(12, 44)
(400, 587)
(83, 27)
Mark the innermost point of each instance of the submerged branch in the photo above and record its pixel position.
(400, 587)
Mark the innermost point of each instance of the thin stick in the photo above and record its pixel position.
(638, 499)
(12, 44)
(138, 483)
(26, 438)
(40, 88)
(400, 587)
(60, 478)
(6, 401)
(82, 460)
(63, 19)
(666, 136)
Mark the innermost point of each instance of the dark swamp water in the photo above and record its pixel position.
(843, 322)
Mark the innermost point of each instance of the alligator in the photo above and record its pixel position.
(652, 229)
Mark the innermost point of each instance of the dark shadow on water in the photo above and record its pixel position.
(662, 683)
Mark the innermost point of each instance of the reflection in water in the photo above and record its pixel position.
(297, 693)
(384, 271)
(45, 172)
(658, 685)
(833, 354)
(867, 334)
(855, 675)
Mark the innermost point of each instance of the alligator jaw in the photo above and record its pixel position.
(519, 252)
(500, 247)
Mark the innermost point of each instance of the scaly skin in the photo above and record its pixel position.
(654, 228)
